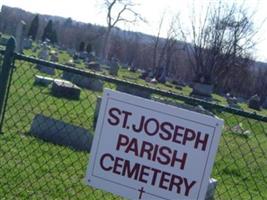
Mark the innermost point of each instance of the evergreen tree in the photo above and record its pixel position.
(54, 37)
(48, 31)
(34, 27)
(68, 22)
(82, 46)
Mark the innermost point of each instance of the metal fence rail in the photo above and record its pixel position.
(52, 167)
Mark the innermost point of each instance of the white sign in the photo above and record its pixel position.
(143, 149)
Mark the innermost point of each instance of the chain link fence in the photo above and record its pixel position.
(40, 158)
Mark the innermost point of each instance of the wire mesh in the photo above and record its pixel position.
(53, 168)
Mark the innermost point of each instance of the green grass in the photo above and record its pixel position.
(33, 169)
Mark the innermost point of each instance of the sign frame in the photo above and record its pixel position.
(100, 180)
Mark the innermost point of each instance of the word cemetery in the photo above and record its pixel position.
(147, 150)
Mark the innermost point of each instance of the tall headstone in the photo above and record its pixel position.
(20, 35)
(114, 67)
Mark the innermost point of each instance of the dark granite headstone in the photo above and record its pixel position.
(62, 88)
(94, 66)
(61, 133)
(202, 90)
(114, 67)
(254, 102)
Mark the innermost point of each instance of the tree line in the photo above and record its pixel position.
(220, 49)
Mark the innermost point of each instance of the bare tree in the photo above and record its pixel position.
(118, 11)
(221, 41)
(156, 41)
(168, 49)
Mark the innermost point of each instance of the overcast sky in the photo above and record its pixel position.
(91, 11)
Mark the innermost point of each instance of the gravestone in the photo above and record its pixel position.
(144, 74)
(96, 85)
(54, 56)
(202, 87)
(75, 56)
(232, 101)
(134, 91)
(202, 90)
(91, 57)
(254, 102)
(211, 189)
(27, 43)
(84, 82)
(60, 133)
(20, 35)
(114, 67)
(88, 83)
(62, 88)
(150, 74)
(42, 80)
(83, 55)
(94, 66)
(132, 68)
(44, 55)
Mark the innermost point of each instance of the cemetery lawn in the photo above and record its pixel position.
(124, 74)
(32, 168)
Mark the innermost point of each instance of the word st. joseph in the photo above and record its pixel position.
(147, 150)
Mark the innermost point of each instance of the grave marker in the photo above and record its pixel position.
(62, 88)
(43, 80)
(44, 54)
(61, 133)
(20, 35)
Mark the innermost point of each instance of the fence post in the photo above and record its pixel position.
(5, 77)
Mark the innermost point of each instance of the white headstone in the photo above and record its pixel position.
(20, 35)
